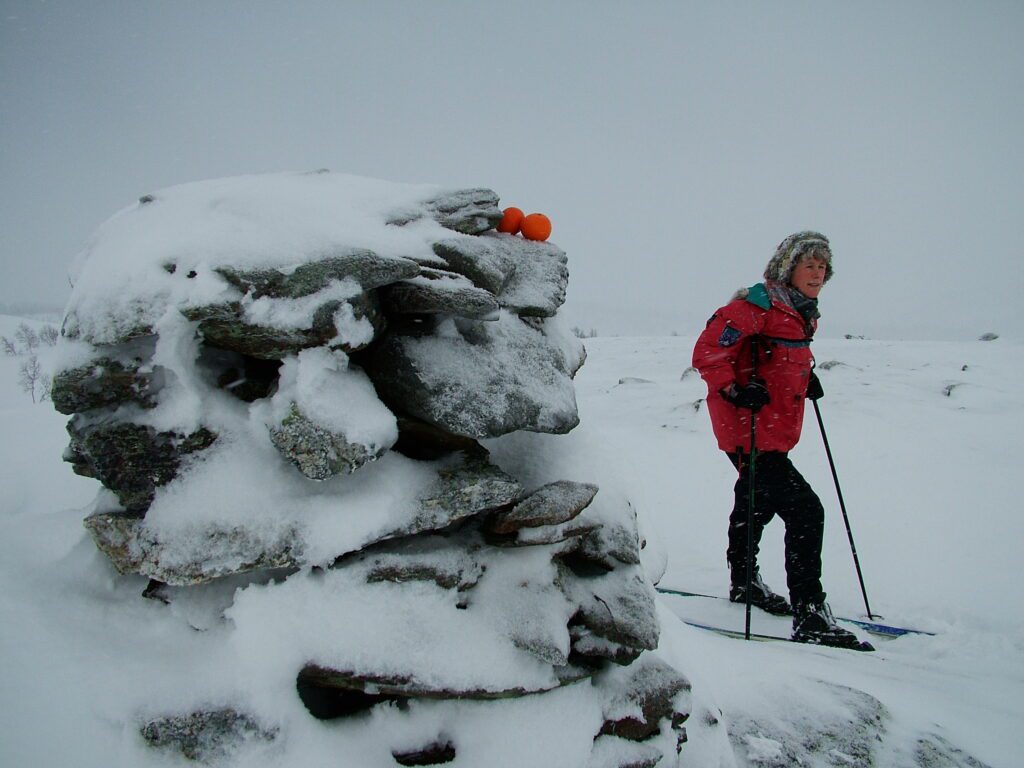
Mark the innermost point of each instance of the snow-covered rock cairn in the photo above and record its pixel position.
(282, 383)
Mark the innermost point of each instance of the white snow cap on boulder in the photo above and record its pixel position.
(164, 249)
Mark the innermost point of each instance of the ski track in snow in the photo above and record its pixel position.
(925, 449)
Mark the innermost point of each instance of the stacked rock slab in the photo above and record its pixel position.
(350, 362)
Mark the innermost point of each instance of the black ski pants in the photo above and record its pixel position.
(778, 490)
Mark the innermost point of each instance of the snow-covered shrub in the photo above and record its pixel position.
(49, 335)
(27, 337)
(32, 380)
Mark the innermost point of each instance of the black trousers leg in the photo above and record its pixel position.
(736, 554)
(779, 489)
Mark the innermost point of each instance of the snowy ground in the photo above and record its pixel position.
(926, 437)
(930, 486)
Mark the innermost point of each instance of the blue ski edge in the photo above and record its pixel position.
(867, 626)
(739, 634)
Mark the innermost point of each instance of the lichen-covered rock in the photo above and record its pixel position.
(851, 724)
(641, 696)
(286, 235)
(537, 281)
(115, 534)
(435, 292)
(135, 325)
(365, 269)
(551, 504)
(317, 452)
(206, 736)
(464, 487)
(325, 416)
(130, 459)
(104, 382)
(400, 570)
(615, 543)
(933, 751)
(616, 618)
(470, 211)
(528, 277)
(223, 325)
(485, 266)
(422, 558)
(348, 324)
(132, 547)
(478, 379)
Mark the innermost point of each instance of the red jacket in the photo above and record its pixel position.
(723, 356)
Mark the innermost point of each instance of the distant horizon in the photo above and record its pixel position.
(672, 144)
(41, 312)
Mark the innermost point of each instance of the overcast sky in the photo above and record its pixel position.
(673, 144)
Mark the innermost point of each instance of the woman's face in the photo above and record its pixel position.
(809, 277)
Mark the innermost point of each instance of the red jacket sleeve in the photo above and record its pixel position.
(721, 354)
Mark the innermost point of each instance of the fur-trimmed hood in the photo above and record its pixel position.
(794, 248)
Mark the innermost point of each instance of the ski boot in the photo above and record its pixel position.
(760, 595)
(813, 623)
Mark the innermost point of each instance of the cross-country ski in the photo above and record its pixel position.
(874, 627)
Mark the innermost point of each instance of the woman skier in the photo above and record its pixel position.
(755, 357)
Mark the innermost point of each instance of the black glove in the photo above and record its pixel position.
(814, 388)
(753, 395)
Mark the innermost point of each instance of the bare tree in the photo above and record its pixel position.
(9, 347)
(28, 338)
(49, 335)
(30, 377)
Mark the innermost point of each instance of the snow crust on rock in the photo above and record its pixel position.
(247, 483)
(298, 312)
(121, 279)
(338, 620)
(338, 397)
(537, 275)
(498, 361)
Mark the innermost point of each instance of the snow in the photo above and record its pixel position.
(929, 481)
(342, 399)
(122, 279)
(248, 481)
(929, 486)
(341, 622)
(298, 312)
(455, 363)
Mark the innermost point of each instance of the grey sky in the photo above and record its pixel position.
(673, 144)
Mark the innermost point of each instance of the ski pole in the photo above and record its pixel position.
(842, 506)
(750, 494)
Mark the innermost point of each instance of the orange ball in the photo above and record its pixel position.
(536, 226)
(511, 218)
